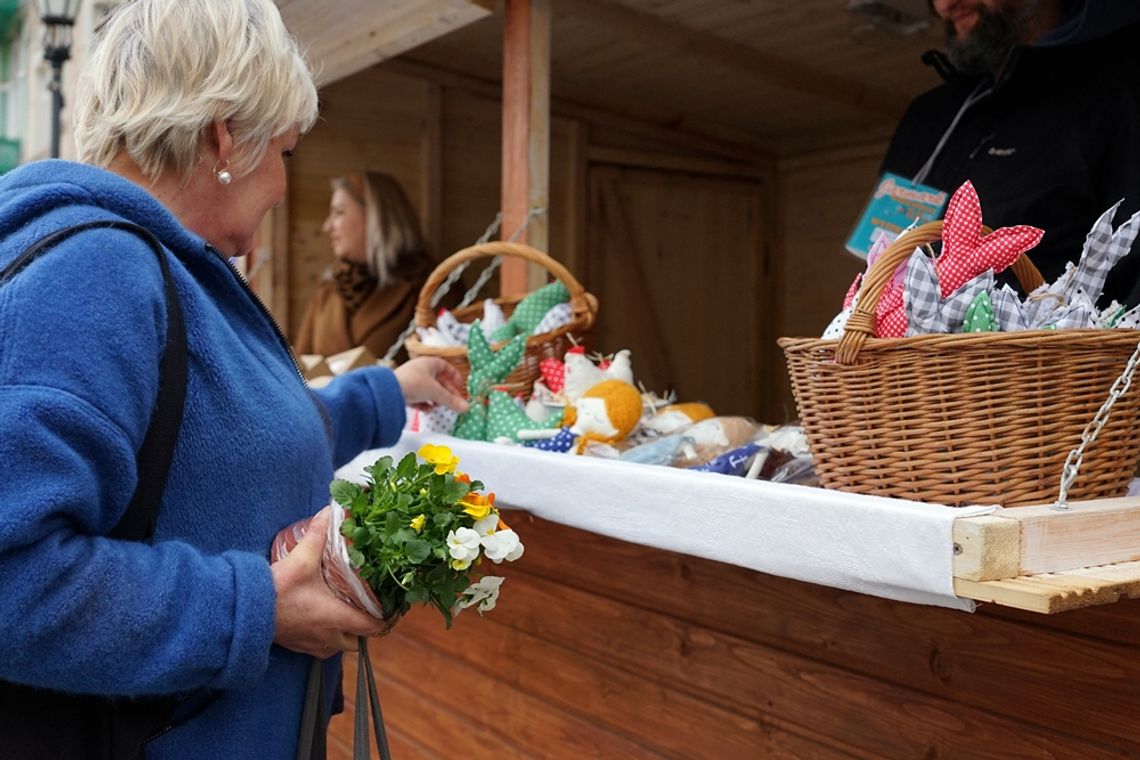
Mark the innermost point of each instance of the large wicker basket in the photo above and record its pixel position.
(975, 418)
(538, 347)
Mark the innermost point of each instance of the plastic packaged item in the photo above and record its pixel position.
(336, 568)
(660, 451)
(734, 462)
(797, 471)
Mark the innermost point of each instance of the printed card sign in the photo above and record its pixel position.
(895, 205)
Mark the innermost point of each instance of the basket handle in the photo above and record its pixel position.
(861, 324)
(583, 304)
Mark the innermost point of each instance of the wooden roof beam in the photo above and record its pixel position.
(772, 69)
(342, 37)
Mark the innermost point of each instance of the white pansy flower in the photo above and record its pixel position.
(501, 545)
(484, 592)
(487, 525)
(463, 544)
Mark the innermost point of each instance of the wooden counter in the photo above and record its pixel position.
(602, 648)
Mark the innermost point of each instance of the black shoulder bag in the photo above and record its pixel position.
(37, 724)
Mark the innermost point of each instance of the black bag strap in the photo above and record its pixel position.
(157, 450)
(360, 749)
(312, 740)
(122, 726)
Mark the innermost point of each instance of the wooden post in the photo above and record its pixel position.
(526, 131)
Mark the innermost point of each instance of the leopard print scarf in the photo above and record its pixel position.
(354, 283)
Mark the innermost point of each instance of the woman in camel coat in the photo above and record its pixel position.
(367, 298)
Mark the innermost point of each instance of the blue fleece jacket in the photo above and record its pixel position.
(81, 333)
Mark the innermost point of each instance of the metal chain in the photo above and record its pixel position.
(1073, 463)
(454, 275)
(485, 275)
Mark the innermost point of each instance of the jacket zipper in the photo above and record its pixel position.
(264, 310)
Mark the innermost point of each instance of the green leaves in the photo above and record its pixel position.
(397, 529)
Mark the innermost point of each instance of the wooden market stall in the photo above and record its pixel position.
(744, 137)
(601, 647)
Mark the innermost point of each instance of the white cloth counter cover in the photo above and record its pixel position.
(890, 548)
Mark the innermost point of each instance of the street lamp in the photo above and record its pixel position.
(58, 17)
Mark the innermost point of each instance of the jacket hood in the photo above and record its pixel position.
(64, 192)
(1091, 20)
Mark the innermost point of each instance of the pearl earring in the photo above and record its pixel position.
(222, 172)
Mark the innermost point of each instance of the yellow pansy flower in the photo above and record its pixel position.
(477, 505)
(440, 456)
(417, 523)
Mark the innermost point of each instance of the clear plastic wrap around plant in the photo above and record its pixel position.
(415, 533)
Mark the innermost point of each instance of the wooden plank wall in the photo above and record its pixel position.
(601, 648)
(820, 196)
(440, 136)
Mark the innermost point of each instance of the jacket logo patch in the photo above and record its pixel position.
(1001, 151)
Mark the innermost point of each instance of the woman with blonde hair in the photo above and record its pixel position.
(155, 432)
(369, 295)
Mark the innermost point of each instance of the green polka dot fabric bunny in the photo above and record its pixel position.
(488, 369)
(531, 310)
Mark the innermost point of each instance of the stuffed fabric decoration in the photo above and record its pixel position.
(1073, 316)
(449, 331)
(980, 315)
(505, 418)
(472, 424)
(540, 393)
(1130, 320)
(1104, 247)
(965, 255)
(488, 366)
(437, 419)
(927, 311)
(553, 373)
(581, 374)
(488, 369)
(531, 310)
(678, 417)
(1009, 311)
(723, 432)
(835, 329)
(559, 315)
(559, 444)
(493, 317)
(607, 412)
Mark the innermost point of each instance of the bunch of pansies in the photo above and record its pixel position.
(414, 534)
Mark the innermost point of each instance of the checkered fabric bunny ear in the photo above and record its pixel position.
(966, 253)
(1075, 315)
(1103, 248)
(926, 311)
(1009, 312)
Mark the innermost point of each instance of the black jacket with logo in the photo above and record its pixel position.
(1054, 144)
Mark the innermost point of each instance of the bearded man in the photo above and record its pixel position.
(1039, 109)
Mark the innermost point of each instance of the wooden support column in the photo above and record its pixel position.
(526, 130)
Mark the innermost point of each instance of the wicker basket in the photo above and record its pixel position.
(538, 347)
(973, 418)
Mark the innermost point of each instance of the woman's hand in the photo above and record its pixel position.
(310, 619)
(428, 380)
